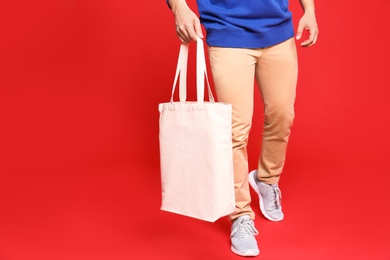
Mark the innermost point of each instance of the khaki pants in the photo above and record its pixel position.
(275, 69)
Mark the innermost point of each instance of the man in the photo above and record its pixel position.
(249, 40)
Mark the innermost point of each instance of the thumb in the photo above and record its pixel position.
(299, 31)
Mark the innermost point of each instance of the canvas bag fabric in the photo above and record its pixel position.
(196, 148)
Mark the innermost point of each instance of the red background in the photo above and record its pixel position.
(80, 81)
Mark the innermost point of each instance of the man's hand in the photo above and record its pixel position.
(308, 22)
(187, 23)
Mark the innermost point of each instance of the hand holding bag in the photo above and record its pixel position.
(196, 148)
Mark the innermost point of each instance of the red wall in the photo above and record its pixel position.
(81, 80)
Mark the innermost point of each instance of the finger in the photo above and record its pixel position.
(316, 37)
(191, 31)
(191, 34)
(198, 29)
(183, 38)
(183, 34)
(312, 34)
(299, 32)
(187, 32)
(312, 38)
(306, 43)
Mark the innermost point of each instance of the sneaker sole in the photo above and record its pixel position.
(248, 253)
(253, 184)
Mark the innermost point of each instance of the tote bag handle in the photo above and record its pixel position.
(201, 73)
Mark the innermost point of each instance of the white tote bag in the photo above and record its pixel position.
(196, 149)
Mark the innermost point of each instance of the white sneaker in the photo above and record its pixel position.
(270, 197)
(243, 237)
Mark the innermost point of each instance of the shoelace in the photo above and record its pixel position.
(278, 196)
(245, 228)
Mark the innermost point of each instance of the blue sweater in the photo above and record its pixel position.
(245, 23)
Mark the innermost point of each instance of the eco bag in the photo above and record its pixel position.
(196, 148)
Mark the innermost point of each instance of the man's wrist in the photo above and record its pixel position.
(175, 3)
(308, 6)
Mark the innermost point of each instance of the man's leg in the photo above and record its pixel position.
(276, 74)
(233, 72)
